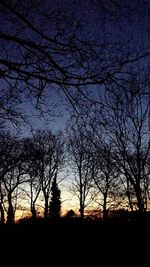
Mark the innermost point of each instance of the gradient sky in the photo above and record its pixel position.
(129, 25)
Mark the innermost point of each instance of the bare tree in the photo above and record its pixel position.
(34, 184)
(12, 172)
(126, 118)
(122, 121)
(48, 156)
(80, 164)
(106, 177)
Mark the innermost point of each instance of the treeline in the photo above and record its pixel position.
(106, 151)
(30, 166)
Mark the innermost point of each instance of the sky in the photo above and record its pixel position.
(93, 19)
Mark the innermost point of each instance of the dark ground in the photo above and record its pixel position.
(71, 243)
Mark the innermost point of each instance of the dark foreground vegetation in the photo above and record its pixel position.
(70, 242)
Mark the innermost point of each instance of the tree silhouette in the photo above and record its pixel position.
(70, 214)
(105, 177)
(32, 170)
(80, 158)
(124, 123)
(12, 173)
(46, 159)
(55, 203)
(132, 136)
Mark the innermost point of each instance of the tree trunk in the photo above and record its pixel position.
(81, 210)
(140, 203)
(2, 215)
(10, 215)
(129, 195)
(105, 210)
(33, 211)
(46, 207)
